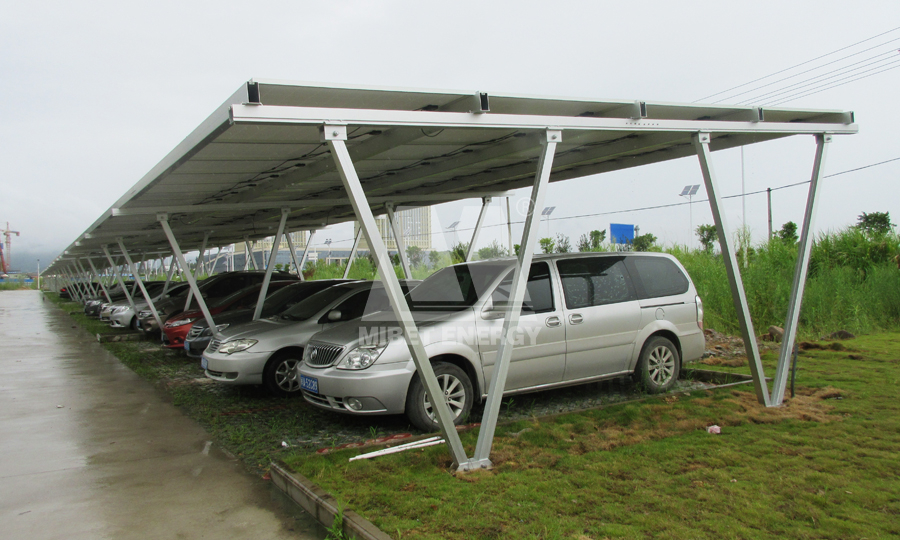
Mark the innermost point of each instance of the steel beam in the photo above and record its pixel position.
(514, 308)
(398, 239)
(273, 114)
(89, 286)
(484, 206)
(140, 282)
(119, 278)
(352, 253)
(738, 295)
(800, 271)
(164, 222)
(335, 136)
(271, 266)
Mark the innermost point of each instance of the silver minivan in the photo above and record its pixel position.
(586, 317)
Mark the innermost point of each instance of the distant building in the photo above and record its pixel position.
(415, 224)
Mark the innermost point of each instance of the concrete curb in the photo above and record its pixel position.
(321, 505)
(133, 336)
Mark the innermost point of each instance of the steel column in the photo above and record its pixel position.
(169, 274)
(285, 212)
(79, 282)
(119, 278)
(140, 283)
(309, 241)
(398, 239)
(187, 270)
(336, 136)
(484, 206)
(738, 295)
(74, 290)
(353, 252)
(246, 253)
(290, 244)
(800, 271)
(164, 222)
(514, 308)
(90, 285)
(102, 285)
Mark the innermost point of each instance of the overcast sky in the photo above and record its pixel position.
(96, 93)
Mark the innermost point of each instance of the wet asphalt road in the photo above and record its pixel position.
(90, 450)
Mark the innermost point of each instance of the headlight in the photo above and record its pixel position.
(182, 322)
(361, 357)
(237, 345)
(120, 309)
(219, 327)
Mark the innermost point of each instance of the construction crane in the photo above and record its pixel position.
(4, 261)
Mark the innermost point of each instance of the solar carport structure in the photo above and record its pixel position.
(282, 156)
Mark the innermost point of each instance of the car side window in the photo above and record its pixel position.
(353, 307)
(538, 293)
(595, 281)
(659, 276)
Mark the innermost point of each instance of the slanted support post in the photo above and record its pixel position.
(100, 281)
(89, 285)
(485, 202)
(514, 308)
(140, 282)
(119, 278)
(74, 289)
(290, 244)
(738, 295)
(309, 241)
(398, 239)
(335, 136)
(800, 271)
(353, 252)
(247, 253)
(285, 212)
(163, 220)
(186, 270)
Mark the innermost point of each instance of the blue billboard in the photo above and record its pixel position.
(620, 233)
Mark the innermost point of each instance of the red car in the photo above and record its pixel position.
(177, 328)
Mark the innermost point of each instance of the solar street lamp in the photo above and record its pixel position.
(546, 212)
(689, 192)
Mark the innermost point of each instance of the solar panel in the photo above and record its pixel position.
(261, 151)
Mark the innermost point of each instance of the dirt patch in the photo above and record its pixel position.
(728, 362)
(812, 346)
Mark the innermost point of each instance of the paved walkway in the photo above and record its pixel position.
(90, 450)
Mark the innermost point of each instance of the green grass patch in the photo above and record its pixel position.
(822, 466)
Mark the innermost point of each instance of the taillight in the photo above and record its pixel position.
(699, 311)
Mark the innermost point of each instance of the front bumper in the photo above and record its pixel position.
(195, 347)
(173, 338)
(121, 320)
(239, 368)
(381, 388)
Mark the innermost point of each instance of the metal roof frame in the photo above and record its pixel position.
(281, 156)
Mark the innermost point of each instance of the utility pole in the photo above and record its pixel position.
(744, 211)
(769, 196)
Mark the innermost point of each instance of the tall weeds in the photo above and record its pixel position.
(853, 284)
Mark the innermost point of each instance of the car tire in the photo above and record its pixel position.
(454, 382)
(658, 366)
(134, 324)
(280, 375)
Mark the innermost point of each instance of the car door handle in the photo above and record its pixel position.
(576, 318)
(552, 322)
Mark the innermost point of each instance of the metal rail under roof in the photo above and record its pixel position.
(262, 151)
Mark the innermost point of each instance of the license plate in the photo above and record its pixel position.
(204, 363)
(310, 384)
(187, 346)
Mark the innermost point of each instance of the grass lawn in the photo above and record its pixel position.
(825, 465)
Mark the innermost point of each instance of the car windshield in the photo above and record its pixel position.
(454, 288)
(312, 305)
(233, 296)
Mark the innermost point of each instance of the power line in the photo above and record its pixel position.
(800, 64)
(835, 85)
(562, 218)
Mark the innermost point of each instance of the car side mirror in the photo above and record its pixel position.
(334, 315)
(492, 312)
